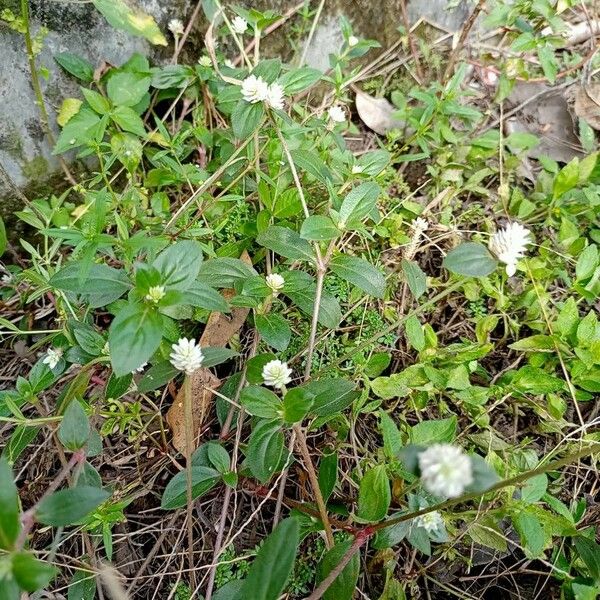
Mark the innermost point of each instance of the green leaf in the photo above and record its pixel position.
(245, 118)
(261, 402)
(74, 429)
(68, 507)
(127, 89)
(119, 15)
(300, 288)
(127, 119)
(344, 584)
(534, 488)
(201, 295)
(392, 535)
(179, 264)
(331, 395)
(68, 109)
(82, 586)
(328, 468)
(217, 355)
(531, 533)
(433, 432)
(319, 228)
(265, 449)
(218, 457)
(487, 534)
(175, 494)
(360, 273)
(587, 263)
(414, 333)
(274, 563)
(311, 162)
(232, 590)
(297, 80)
(392, 440)
(415, 278)
(373, 163)
(374, 495)
(101, 284)
(157, 376)
(359, 203)
(274, 329)
(225, 272)
(589, 551)
(80, 129)
(9, 507)
(96, 100)
(30, 573)
(75, 65)
(470, 259)
(296, 404)
(134, 336)
(286, 242)
(533, 380)
(566, 179)
(117, 387)
(534, 343)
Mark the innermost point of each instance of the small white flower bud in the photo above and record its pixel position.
(275, 281)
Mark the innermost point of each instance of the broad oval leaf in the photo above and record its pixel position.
(286, 242)
(359, 203)
(68, 507)
(344, 584)
(470, 259)
(265, 449)
(374, 495)
(9, 507)
(274, 329)
(175, 494)
(261, 402)
(179, 264)
(361, 273)
(274, 562)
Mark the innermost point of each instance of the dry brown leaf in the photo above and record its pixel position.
(219, 329)
(587, 104)
(377, 113)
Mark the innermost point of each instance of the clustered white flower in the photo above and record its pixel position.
(352, 41)
(357, 169)
(204, 61)
(239, 25)
(431, 521)
(156, 293)
(256, 89)
(175, 27)
(418, 226)
(336, 114)
(53, 356)
(186, 355)
(276, 374)
(509, 245)
(275, 281)
(445, 470)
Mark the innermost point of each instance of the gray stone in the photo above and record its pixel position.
(78, 28)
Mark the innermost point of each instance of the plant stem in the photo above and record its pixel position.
(360, 539)
(189, 447)
(37, 88)
(314, 482)
(315, 321)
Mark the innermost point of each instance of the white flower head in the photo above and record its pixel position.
(445, 470)
(357, 169)
(352, 41)
(53, 356)
(156, 293)
(186, 356)
(420, 225)
(276, 374)
(229, 63)
(431, 521)
(141, 368)
(239, 25)
(175, 27)
(275, 281)
(204, 61)
(275, 96)
(509, 245)
(336, 114)
(255, 89)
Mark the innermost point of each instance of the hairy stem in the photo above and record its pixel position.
(314, 482)
(189, 448)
